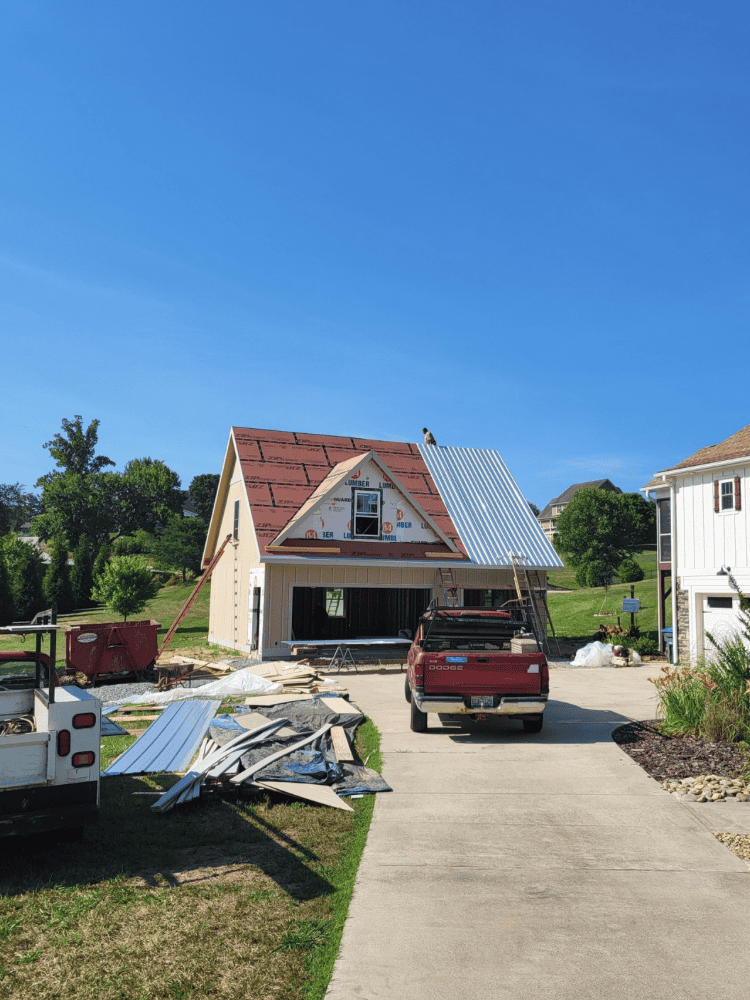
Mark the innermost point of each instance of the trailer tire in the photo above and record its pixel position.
(418, 718)
(533, 725)
(407, 689)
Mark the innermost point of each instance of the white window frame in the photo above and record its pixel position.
(729, 508)
(356, 490)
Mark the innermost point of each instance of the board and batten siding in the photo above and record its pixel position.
(231, 579)
(281, 579)
(707, 540)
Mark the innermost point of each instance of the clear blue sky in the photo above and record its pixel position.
(523, 224)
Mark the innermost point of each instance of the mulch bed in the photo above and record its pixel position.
(678, 756)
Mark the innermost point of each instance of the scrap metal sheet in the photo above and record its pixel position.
(169, 743)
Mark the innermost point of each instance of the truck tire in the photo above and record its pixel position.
(407, 689)
(533, 725)
(418, 719)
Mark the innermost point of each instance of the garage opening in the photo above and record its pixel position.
(356, 612)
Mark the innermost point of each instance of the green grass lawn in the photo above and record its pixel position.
(566, 578)
(191, 638)
(576, 613)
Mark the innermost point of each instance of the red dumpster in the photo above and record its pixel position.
(111, 648)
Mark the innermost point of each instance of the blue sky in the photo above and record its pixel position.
(522, 224)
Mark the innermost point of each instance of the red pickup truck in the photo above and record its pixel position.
(476, 661)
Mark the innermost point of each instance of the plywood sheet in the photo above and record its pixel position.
(341, 706)
(268, 700)
(322, 795)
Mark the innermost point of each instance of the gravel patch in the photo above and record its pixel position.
(691, 769)
(113, 694)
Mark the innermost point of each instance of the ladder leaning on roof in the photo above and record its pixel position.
(535, 603)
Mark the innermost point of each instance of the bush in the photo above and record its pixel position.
(711, 700)
(629, 571)
(643, 646)
(56, 584)
(126, 585)
(145, 540)
(81, 574)
(126, 545)
(7, 604)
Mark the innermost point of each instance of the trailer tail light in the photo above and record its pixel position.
(85, 759)
(87, 720)
(63, 743)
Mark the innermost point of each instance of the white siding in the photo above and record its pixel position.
(706, 540)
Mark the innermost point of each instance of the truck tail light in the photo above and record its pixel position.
(85, 759)
(86, 720)
(63, 743)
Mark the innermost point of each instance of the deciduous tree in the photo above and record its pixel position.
(595, 532)
(180, 545)
(126, 585)
(202, 493)
(16, 507)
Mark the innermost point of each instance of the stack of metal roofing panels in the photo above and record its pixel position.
(487, 507)
(169, 743)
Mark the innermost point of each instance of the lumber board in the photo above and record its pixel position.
(341, 746)
(251, 720)
(322, 795)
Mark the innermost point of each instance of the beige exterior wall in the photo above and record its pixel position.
(235, 574)
(280, 579)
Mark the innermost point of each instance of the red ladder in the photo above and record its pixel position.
(196, 590)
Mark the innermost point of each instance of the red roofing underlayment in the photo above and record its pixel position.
(282, 468)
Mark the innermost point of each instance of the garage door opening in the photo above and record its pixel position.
(356, 612)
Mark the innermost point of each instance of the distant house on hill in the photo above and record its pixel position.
(342, 537)
(548, 517)
(703, 534)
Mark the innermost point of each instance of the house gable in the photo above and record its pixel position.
(327, 514)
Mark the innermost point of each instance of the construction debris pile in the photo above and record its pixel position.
(296, 744)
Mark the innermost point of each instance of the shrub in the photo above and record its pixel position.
(56, 584)
(629, 571)
(682, 699)
(25, 571)
(81, 574)
(126, 585)
(7, 604)
(643, 646)
(126, 545)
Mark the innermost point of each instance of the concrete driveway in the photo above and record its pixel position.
(506, 864)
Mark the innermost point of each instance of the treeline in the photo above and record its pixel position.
(92, 515)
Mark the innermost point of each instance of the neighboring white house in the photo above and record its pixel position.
(703, 533)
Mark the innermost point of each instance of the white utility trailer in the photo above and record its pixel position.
(50, 739)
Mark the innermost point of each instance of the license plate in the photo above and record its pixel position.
(481, 701)
(457, 659)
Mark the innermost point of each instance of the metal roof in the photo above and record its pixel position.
(491, 514)
(169, 743)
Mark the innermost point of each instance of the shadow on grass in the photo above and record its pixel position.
(130, 840)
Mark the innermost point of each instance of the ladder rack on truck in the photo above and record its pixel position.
(50, 739)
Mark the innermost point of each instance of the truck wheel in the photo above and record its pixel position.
(418, 719)
(533, 725)
(407, 689)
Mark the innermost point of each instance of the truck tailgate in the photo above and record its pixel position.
(23, 759)
(483, 673)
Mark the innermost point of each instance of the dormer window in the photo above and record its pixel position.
(366, 509)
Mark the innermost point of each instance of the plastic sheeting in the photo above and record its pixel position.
(595, 654)
(315, 764)
(238, 683)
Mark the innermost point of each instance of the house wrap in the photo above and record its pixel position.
(341, 538)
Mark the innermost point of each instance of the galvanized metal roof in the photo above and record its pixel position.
(491, 514)
(169, 743)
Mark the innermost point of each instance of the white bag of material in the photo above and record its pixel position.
(238, 683)
(595, 654)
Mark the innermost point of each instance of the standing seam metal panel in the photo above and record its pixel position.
(488, 509)
(169, 743)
